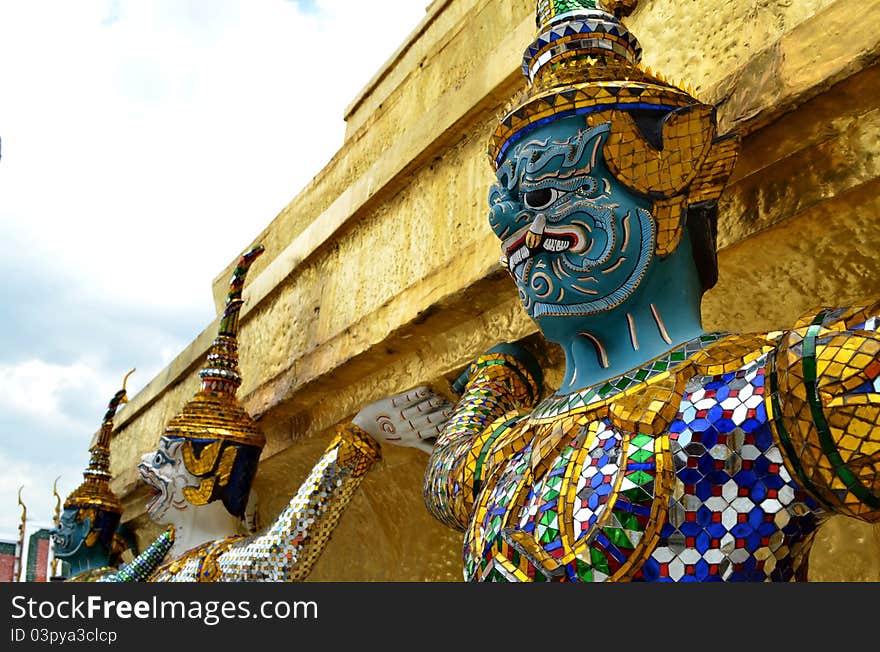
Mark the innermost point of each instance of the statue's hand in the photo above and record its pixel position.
(413, 419)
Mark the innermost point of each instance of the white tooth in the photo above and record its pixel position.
(518, 256)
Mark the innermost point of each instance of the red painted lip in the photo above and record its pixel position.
(516, 245)
(574, 238)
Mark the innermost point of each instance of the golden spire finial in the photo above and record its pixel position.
(57, 501)
(56, 563)
(16, 575)
(23, 507)
(95, 490)
(125, 382)
(214, 412)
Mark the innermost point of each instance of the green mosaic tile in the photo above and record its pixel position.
(618, 537)
(642, 456)
(641, 440)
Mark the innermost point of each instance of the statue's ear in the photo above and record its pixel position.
(687, 136)
(92, 538)
(200, 463)
(85, 528)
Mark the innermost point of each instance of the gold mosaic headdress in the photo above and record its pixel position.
(95, 492)
(214, 417)
(584, 61)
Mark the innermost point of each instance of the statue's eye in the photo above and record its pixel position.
(160, 459)
(538, 199)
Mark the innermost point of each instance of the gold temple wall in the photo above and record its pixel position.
(382, 273)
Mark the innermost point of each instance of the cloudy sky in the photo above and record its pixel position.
(144, 144)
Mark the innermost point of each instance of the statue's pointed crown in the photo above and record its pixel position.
(215, 413)
(583, 60)
(95, 489)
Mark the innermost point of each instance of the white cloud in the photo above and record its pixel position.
(34, 388)
(146, 152)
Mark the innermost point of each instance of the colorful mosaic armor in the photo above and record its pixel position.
(717, 461)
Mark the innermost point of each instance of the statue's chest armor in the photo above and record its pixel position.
(594, 500)
(706, 498)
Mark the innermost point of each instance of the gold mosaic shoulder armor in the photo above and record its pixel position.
(480, 431)
(825, 401)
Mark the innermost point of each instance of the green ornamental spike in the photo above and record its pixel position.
(548, 10)
(229, 322)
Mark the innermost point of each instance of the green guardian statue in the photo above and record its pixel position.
(88, 537)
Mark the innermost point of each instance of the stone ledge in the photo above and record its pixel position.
(803, 63)
(431, 13)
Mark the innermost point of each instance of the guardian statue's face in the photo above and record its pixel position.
(576, 241)
(165, 473)
(71, 533)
